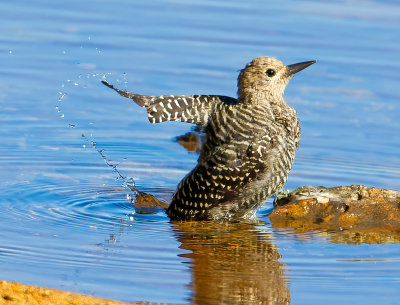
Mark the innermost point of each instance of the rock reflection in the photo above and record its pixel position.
(233, 263)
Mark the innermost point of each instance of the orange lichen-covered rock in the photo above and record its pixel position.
(20, 294)
(355, 209)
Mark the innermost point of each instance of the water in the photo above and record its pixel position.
(66, 221)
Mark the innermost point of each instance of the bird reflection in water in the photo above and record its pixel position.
(233, 263)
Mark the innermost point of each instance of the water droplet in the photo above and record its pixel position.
(84, 146)
(10, 52)
(63, 52)
(62, 96)
(61, 115)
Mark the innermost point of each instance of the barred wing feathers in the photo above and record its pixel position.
(194, 109)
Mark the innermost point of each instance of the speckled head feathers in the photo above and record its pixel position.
(267, 75)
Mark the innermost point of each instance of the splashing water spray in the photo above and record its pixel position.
(127, 183)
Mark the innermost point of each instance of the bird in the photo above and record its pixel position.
(250, 142)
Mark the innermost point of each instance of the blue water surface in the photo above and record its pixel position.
(66, 218)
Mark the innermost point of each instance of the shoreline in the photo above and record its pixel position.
(13, 293)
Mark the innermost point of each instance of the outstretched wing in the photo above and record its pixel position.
(194, 109)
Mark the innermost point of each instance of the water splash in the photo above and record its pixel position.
(89, 141)
(127, 183)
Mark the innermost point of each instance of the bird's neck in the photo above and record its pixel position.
(249, 96)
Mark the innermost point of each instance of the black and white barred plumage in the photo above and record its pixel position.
(250, 146)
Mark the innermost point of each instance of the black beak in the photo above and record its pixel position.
(292, 69)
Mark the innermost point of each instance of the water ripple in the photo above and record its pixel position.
(63, 207)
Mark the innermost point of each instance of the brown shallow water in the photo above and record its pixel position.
(67, 220)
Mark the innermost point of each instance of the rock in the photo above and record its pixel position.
(20, 294)
(360, 213)
(148, 204)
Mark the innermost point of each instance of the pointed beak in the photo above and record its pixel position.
(292, 69)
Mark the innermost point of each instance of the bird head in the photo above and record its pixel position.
(267, 76)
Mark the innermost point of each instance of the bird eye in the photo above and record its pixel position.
(270, 72)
